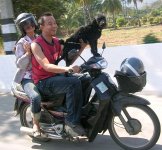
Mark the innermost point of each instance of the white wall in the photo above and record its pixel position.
(150, 54)
(7, 71)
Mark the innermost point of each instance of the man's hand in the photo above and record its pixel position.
(75, 69)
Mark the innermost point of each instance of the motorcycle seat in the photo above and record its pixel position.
(53, 101)
(47, 101)
(17, 91)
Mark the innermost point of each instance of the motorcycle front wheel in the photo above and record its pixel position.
(141, 130)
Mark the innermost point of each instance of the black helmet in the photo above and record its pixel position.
(25, 19)
(132, 67)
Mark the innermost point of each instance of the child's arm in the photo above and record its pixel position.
(22, 57)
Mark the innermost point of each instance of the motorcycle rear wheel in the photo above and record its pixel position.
(25, 116)
(145, 125)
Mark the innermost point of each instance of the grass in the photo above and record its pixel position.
(130, 36)
(1, 47)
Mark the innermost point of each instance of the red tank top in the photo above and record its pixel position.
(51, 51)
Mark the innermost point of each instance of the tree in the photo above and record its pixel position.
(135, 2)
(86, 4)
(73, 17)
(136, 6)
(38, 7)
(124, 4)
(113, 7)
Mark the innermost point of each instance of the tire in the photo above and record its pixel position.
(131, 143)
(25, 115)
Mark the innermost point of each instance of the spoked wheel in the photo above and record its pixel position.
(138, 128)
(54, 130)
(25, 116)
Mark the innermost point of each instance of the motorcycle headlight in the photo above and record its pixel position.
(101, 64)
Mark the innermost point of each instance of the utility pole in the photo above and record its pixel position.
(8, 27)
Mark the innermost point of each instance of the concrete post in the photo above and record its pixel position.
(8, 27)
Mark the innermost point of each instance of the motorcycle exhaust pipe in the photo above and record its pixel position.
(26, 130)
(58, 137)
(29, 131)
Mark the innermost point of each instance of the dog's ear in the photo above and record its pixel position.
(94, 22)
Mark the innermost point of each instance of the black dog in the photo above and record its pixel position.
(89, 34)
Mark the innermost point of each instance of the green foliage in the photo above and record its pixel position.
(151, 20)
(1, 45)
(144, 20)
(73, 18)
(150, 38)
(38, 7)
(0, 30)
(110, 24)
(133, 22)
(155, 13)
(1, 41)
(87, 8)
(157, 20)
(120, 22)
(71, 14)
(112, 6)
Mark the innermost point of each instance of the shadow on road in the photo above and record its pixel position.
(9, 124)
(101, 142)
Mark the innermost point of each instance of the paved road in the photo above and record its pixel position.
(11, 138)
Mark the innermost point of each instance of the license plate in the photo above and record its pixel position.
(102, 87)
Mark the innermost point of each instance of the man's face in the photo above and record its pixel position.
(50, 26)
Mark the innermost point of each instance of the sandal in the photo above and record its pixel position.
(40, 135)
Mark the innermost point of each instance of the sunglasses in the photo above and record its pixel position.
(27, 27)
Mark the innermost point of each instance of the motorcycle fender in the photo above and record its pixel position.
(103, 86)
(17, 106)
(122, 99)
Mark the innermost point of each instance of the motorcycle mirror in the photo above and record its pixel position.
(104, 46)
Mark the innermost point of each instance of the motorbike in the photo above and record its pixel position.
(107, 107)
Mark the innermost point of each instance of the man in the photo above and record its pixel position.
(46, 50)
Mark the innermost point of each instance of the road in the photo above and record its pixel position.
(11, 138)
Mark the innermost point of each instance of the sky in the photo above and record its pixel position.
(145, 2)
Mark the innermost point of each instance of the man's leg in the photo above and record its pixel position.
(71, 86)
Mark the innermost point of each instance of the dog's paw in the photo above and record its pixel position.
(97, 55)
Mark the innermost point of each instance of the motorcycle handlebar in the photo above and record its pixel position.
(85, 68)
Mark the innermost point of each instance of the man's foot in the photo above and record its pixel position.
(40, 135)
(74, 130)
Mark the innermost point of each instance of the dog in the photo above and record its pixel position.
(88, 34)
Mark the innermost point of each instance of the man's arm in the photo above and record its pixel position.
(43, 61)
